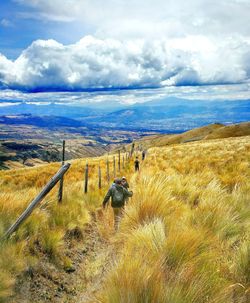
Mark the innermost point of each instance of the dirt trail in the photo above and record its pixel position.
(91, 256)
(91, 253)
(100, 258)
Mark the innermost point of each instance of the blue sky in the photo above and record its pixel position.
(20, 25)
(196, 48)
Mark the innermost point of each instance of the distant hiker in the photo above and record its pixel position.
(143, 155)
(137, 164)
(118, 195)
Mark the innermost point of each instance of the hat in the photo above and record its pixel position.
(124, 178)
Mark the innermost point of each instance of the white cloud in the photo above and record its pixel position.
(4, 104)
(151, 18)
(211, 92)
(95, 63)
(135, 43)
(6, 23)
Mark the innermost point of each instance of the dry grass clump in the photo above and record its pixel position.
(184, 237)
(44, 231)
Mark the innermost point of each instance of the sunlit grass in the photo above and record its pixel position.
(184, 237)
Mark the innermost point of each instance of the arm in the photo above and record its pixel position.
(107, 197)
(128, 193)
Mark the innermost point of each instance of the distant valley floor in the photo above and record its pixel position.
(23, 142)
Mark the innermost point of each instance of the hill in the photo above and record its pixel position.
(235, 130)
(40, 121)
(184, 236)
(213, 131)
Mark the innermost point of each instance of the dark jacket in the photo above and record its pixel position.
(118, 195)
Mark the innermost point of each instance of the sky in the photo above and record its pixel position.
(130, 51)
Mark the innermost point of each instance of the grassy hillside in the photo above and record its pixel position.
(235, 130)
(184, 237)
(212, 131)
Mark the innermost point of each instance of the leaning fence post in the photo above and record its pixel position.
(107, 165)
(114, 166)
(60, 192)
(99, 177)
(86, 178)
(38, 199)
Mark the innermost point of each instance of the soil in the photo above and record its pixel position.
(90, 256)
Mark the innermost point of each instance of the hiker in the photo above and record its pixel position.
(137, 164)
(125, 185)
(118, 195)
(143, 155)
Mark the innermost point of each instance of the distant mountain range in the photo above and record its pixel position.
(175, 115)
(40, 121)
(169, 115)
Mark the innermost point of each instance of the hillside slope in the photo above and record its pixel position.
(212, 131)
(184, 236)
(235, 130)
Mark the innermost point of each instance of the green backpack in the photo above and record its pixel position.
(118, 196)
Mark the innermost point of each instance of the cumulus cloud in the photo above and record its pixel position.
(93, 64)
(134, 44)
(140, 18)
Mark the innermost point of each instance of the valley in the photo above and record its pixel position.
(27, 140)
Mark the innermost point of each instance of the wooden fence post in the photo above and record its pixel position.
(38, 199)
(99, 177)
(119, 160)
(123, 164)
(132, 149)
(60, 192)
(86, 178)
(107, 165)
(114, 169)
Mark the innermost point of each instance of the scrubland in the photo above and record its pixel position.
(184, 237)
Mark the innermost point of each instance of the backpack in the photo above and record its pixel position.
(118, 196)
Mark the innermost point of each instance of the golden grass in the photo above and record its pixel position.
(183, 239)
(44, 231)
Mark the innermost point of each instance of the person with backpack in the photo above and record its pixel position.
(143, 155)
(137, 164)
(118, 195)
(125, 185)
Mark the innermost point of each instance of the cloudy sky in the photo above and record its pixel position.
(192, 49)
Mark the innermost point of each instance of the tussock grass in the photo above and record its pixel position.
(45, 230)
(184, 237)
